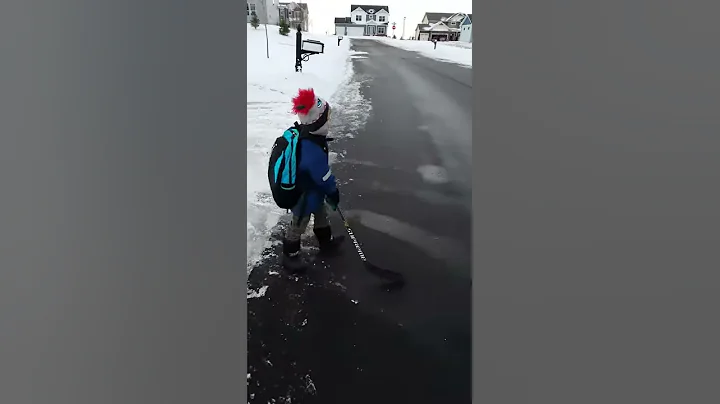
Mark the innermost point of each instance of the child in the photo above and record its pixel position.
(315, 180)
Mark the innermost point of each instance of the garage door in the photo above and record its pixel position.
(356, 31)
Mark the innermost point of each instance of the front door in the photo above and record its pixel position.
(370, 30)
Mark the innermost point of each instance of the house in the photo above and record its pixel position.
(295, 14)
(345, 27)
(268, 11)
(430, 32)
(439, 26)
(432, 18)
(428, 19)
(364, 20)
(466, 29)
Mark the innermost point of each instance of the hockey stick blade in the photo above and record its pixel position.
(395, 280)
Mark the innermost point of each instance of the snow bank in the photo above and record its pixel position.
(271, 83)
(454, 52)
(459, 44)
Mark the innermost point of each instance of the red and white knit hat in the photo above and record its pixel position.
(312, 111)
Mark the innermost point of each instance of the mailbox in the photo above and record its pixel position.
(312, 47)
(305, 48)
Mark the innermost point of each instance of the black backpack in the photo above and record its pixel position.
(284, 162)
(282, 168)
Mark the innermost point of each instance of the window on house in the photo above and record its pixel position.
(381, 18)
(358, 17)
(251, 9)
(381, 30)
(371, 17)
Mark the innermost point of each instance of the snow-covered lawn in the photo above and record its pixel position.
(271, 84)
(459, 44)
(454, 52)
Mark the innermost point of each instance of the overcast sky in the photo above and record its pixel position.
(323, 12)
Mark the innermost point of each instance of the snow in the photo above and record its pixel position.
(453, 52)
(459, 44)
(255, 293)
(271, 83)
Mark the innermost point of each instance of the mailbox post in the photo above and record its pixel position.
(298, 49)
(305, 48)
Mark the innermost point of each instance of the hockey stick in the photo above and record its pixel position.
(396, 279)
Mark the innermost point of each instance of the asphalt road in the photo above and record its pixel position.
(332, 335)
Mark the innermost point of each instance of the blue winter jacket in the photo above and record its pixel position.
(315, 178)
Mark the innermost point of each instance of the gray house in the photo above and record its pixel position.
(466, 29)
(439, 26)
(266, 10)
(295, 14)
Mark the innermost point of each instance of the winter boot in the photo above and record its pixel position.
(292, 261)
(326, 241)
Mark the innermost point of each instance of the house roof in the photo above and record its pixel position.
(436, 27)
(365, 7)
(457, 17)
(470, 17)
(435, 17)
(293, 4)
(342, 20)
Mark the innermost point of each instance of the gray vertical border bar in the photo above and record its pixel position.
(242, 316)
(597, 138)
(122, 200)
(241, 305)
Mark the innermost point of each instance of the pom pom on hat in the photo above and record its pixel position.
(311, 110)
(304, 101)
